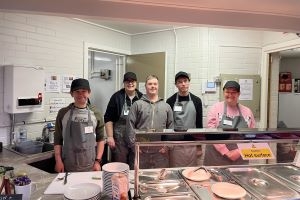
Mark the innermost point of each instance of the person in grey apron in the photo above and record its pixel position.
(186, 116)
(79, 133)
(115, 118)
(121, 152)
(79, 145)
(227, 114)
(212, 156)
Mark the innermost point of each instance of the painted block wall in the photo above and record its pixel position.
(205, 53)
(54, 43)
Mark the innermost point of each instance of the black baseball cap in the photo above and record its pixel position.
(182, 74)
(80, 83)
(232, 84)
(129, 76)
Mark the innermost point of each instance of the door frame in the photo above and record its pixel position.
(265, 69)
(87, 46)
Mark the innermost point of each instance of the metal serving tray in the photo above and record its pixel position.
(260, 184)
(289, 174)
(171, 183)
(171, 197)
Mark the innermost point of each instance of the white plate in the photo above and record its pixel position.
(114, 167)
(228, 190)
(82, 191)
(199, 175)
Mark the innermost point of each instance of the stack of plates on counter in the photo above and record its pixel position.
(109, 170)
(83, 191)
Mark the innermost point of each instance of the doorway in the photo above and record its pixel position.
(270, 78)
(288, 100)
(104, 76)
(148, 64)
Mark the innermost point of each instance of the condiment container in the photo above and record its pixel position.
(119, 186)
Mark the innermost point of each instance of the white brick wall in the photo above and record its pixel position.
(205, 53)
(54, 43)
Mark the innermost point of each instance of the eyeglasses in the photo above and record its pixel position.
(130, 81)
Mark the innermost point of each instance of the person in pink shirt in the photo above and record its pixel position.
(231, 115)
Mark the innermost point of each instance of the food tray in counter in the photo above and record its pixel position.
(173, 197)
(289, 174)
(151, 183)
(261, 184)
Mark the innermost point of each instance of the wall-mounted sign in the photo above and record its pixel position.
(285, 82)
(297, 85)
(257, 151)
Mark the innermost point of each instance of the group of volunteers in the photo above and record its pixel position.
(79, 137)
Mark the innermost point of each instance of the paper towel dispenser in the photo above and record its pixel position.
(30, 101)
(23, 89)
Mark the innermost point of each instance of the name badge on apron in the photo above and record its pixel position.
(227, 122)
(126, 112)
(178, 108)
(88, 129)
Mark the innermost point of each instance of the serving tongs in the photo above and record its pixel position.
(198, 168)
(162, 174)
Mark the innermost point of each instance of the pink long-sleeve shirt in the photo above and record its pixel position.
(214, 116)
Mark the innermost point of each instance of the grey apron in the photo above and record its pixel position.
(79, 144)
(183, 156)
(212, 156)
(121, 152)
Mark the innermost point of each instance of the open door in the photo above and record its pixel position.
(148, 64)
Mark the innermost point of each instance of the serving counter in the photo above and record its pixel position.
(146, 184)
(259, 146)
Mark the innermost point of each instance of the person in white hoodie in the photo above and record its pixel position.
(150, 113)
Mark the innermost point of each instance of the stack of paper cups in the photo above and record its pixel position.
(109, 170)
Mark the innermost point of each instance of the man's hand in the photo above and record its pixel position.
(233, 154)
(97, 166)
(163, 150)
(59, 167)
(111, 142)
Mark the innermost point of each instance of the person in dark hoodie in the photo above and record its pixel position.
(150, 113)
(115, 118)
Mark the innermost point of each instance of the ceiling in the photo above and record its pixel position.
(128, 28)
(140, 16)
(279, 15)
(291, 53)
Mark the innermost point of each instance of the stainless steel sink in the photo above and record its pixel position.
(45, 148)
(261, 184)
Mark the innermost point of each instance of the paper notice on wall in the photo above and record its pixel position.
(56, 104)
(66, 82)
(52, 83)
(142, 88)
(246, 89)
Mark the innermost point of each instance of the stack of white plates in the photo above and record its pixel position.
(83, 191)
(109, 170)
